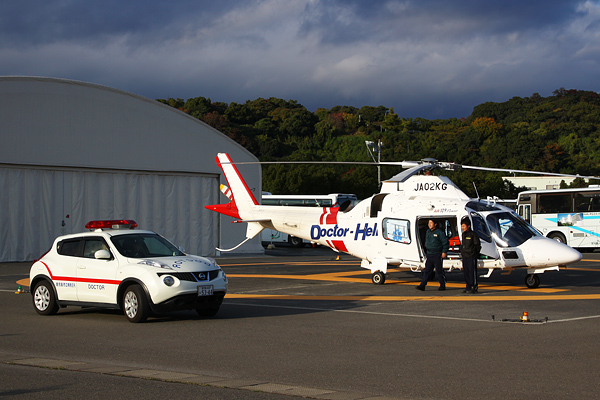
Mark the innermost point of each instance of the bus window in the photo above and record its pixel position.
(587, 202)
(319, 202)
(525, 212)
(307, 200)
(554, 203)
(291, 202)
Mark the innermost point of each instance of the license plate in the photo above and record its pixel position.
(206, 290)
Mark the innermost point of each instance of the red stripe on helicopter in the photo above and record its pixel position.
(337, 244)
(329, 215)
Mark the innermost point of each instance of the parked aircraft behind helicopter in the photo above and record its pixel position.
(387, 229)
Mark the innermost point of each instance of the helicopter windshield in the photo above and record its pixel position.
(509, 230)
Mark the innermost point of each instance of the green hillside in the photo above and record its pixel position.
(559, 133)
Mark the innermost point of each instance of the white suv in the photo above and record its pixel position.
(116, 266)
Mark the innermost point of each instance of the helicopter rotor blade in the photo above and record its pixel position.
(303, 162)
(403, 164)
(520, 171)
(425, 164)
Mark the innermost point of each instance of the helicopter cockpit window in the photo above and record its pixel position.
(480, 227)
(509, 229)
(397, 230)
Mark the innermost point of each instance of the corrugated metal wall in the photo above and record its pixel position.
(42, 204)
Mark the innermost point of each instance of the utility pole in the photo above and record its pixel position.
(372, 147)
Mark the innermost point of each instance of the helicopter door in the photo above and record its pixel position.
(488, 248)
(400, 239)
(448, 225)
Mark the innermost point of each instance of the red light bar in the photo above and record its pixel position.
(112, 224)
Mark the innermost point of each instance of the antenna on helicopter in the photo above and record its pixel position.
(476, 192)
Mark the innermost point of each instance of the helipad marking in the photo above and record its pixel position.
(295, 263)
(415, 298)
(581, 269)
(340, 277)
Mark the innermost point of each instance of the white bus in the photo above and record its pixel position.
(343, 200)
(571, 216)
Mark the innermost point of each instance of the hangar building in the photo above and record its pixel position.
(72, 152)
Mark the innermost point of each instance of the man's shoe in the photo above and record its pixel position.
(466, 291)
(442, 288)
(421, 288)
(474, 291)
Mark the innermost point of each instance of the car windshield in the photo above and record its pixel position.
(509, 229)
(144, 246)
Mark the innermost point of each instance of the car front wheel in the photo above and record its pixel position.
(135, 304)
(44, 299)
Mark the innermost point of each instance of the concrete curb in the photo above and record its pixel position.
(188, 378)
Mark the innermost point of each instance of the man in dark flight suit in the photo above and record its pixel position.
(470, 246)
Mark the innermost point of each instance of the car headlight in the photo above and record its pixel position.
(156, 264)
(168, 280)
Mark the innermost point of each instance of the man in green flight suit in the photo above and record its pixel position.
(436, 246)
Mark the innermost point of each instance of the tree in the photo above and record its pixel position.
(559, 133)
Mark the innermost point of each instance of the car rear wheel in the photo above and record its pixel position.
(135, 304)
(44, 299)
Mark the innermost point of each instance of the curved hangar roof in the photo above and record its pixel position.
(58, 122)
(74, 151)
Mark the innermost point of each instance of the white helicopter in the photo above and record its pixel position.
(387, 229)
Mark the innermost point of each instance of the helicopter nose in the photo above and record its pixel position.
(542, 251)
(565, 254)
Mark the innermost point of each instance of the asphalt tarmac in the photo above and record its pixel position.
(303, 323)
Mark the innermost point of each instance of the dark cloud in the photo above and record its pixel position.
(37, 22)
(429, 58)
(344, 21)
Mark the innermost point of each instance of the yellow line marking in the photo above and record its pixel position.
(346, 276)
(414, 298)
(295, 263)
(580, 269)
(334, 277)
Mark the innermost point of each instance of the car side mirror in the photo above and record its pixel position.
(102, 255)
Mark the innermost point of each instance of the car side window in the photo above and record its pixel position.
(92, 246)
(70, 247)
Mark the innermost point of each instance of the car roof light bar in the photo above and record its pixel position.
(111, 224)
